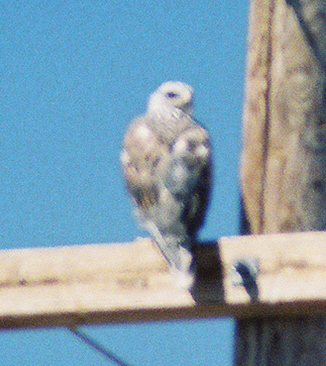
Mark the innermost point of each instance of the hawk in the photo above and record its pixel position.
(167, 162)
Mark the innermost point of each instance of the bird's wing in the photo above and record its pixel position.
(142, 154)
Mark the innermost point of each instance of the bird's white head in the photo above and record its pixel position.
(171, 95)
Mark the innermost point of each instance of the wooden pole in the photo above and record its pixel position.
(284, 158)
(283, 162)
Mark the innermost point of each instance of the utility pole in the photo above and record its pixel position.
(284, 161)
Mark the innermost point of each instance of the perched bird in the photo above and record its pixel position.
(167, 161)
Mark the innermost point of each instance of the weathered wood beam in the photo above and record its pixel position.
(130, 282)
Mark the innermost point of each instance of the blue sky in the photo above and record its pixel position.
(73, 75)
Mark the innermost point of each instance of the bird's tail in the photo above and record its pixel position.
(178, 252)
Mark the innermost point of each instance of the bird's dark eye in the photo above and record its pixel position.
(172, 95)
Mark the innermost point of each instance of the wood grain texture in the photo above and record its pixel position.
(292, 267)
(131, 282)
(284, 156)
(284, 174)
(256, 113)
(99, 282)
(86, 277)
